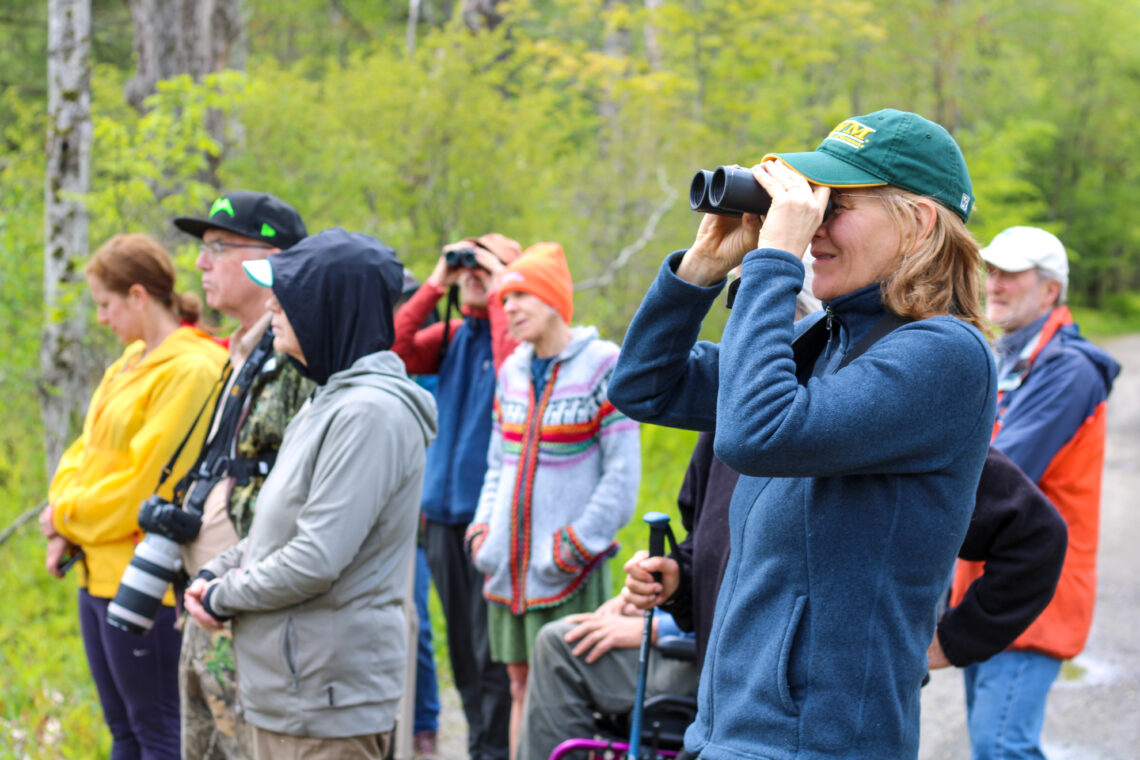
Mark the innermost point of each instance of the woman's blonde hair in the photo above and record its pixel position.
(135, 259)
(939, 274)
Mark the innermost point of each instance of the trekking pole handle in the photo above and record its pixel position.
(659, 531)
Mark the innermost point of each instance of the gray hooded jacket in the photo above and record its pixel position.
(318, 624)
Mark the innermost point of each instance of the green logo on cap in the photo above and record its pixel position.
(222, 204)
(267, 231)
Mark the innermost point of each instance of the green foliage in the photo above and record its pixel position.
(664, 457)
(575, 121)
(1120, 315)
(48, 705)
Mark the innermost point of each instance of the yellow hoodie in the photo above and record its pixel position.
(138, 415)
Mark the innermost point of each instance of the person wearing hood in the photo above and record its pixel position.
(315, 591)
(1052, 406)
(562, 469)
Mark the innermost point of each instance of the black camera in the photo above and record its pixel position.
(730, 191)
(156, 515)
(154, 566)
(462, 258)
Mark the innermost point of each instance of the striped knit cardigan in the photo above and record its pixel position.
(562, 476)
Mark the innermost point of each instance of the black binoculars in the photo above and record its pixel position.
(731, 191)
(462, 258)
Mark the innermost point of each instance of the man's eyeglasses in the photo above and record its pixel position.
(217, 248)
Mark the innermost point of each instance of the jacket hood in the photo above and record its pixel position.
(1108, 367)
(385, 371)
(185, 339)
(338, 290)
(580, 337)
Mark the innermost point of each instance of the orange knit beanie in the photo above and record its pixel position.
(542, 272)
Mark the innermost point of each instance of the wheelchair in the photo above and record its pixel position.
(664, 720)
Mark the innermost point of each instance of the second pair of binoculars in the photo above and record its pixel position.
(732, 191)
(463, 258)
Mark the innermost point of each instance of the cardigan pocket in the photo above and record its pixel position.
(570, 556)
(783, 668)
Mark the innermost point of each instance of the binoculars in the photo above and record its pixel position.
(730, 191)
(462, 258)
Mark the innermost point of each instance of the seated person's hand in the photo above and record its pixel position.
(597, 633)
(641, 590)
(192, 600)
(617, 606)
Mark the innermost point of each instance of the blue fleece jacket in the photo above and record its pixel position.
(856, 491)
(457, 461)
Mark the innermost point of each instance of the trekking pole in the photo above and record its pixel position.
(659, 530)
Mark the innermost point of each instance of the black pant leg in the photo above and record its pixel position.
(483, 686)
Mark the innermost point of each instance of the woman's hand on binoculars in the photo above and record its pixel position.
(720, 245)
(641, 589)
(796, 211)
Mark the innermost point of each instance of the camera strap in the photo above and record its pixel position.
(216, 460)
(452, 305)
(169, 468)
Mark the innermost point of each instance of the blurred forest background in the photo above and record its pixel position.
(424, 121)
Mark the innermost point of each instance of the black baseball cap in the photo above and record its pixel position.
(260, 216)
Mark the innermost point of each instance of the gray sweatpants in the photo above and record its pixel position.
(563, 691)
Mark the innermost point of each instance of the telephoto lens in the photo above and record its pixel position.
(153, 568)
(462, 258)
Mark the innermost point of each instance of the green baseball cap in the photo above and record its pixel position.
(889, 147)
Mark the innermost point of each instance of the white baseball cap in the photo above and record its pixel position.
(1018, 249)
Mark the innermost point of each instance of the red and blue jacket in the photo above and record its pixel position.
(1052, 425)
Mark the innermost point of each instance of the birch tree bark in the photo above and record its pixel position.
(63, 382)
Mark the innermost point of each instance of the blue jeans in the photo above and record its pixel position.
(137, 681)
(426, 711)
(1005, 704)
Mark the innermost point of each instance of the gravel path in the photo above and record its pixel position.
(1094, 709)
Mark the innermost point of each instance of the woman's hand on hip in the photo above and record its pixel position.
(796, 211)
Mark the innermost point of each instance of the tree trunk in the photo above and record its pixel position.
(63, 382)
(481, 14)
(172, 37)
(195, 37)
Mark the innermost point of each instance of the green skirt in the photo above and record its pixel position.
(512, 636)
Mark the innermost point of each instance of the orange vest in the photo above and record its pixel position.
(1072, 481)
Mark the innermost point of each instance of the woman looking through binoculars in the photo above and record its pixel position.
(860, 433)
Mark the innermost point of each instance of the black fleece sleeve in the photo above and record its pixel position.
(689, 501)
(1022, 538)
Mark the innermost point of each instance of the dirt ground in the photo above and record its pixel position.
(1094, 709)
